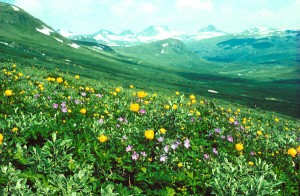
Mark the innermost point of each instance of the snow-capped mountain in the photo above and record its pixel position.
(207, 32)
(155, 33)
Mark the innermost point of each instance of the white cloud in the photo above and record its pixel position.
(194, 4)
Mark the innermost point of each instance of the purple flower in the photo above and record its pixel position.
(192, 119)
(174, 145)
(206, 156)
(83, 94)
(128, 148)
(63, 104)
(229, 138)
(55, 105)
(236, 122)
(64, 110)
(142, 111)
(166, 148)
(187, 143)
(134, 156)
(242, 127)
(37, 96)
(217, 130)
(163, 158)
(124, 137)
(252, 153)
(100, 121)
(120, 119)
(160, 139)
(76, 101)
(215, 151)
(223, 137)
(143, 154)
(118, 125)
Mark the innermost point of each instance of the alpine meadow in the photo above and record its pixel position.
(159, 112)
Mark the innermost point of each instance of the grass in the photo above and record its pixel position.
(65, 134)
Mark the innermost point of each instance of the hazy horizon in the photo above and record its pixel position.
(188, 16)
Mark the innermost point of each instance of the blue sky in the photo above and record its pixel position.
(89, 16)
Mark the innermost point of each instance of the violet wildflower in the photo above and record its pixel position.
(128, 148)
(223, 137)
(160, 139)
(64, 110)
(187, 143)
(100, 121)
(117, 125)
(63, 104)
(192, 119)
(166, 148)
(252, 153)
(76, 101)
(206, 156)
(142, 111)
(134, 156)
(83, 94)
(217, 130)
(120, 119)
(99, 95)
(229, 138)
(49, 97)
(236, 122)
(175, 145)
(215, 151)
(163, 158)
(37, 96)
(55, 105)
(143, 154)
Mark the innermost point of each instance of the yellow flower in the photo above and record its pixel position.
(179, 164)
(77, 77)
(15, 129)
(102, 138)
(131, 86)
(198, 113)
(162, 130)
(134, 107)
(167, 107)
(239, 147)
(141, 94)
(20, 74)
(117, 90)
(149, 134)
(259, 133)
(250, 163)
(174, 106)
(201, 102)
(83, 111)
(292, 152)
(298, 149)
(276, 120)
(193, 101)
(231, 120)
(177, 93)
(8, 93)
(59, 80)
(192, 97)
(1, 138)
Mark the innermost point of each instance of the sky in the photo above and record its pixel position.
(189, 16)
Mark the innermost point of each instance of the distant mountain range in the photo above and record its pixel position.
(156, 33)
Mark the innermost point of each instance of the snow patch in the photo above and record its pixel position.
(165, 45)
(74, 45)
(162, 51)
(67, 60)
(15, 8)
(4, 43)
(97, 47)
(45, 30)
(59, 40)
(212, 91)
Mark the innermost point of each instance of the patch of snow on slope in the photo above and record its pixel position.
(4, 43)
(44, 30)
(59, 40)
(165, 45)
(15, 8)
(162, 51)
(74, 45)
(212, 91)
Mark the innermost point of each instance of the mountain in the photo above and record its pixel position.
(126, 33)
(65, 33)
(209, 28)
(255, 45)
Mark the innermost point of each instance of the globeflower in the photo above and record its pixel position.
(102, 138)
(250, 163)
(117, 90)
(239, 146)
(141, 94)
(59, 80)
(192, 97)
(231, 120)
(8, 93)
(292, 152)
(134, 107)
(1, 138)
(259, 133)
(149, 134)
(83, 111)
(77, 77)
(162, 131)
(15, 129)
(298, 149)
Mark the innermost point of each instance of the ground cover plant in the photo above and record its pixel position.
(62, 134)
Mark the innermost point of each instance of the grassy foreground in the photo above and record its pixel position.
(64, 135)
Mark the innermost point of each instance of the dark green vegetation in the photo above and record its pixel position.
(152, 66)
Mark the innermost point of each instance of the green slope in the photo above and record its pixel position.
(146, 66)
